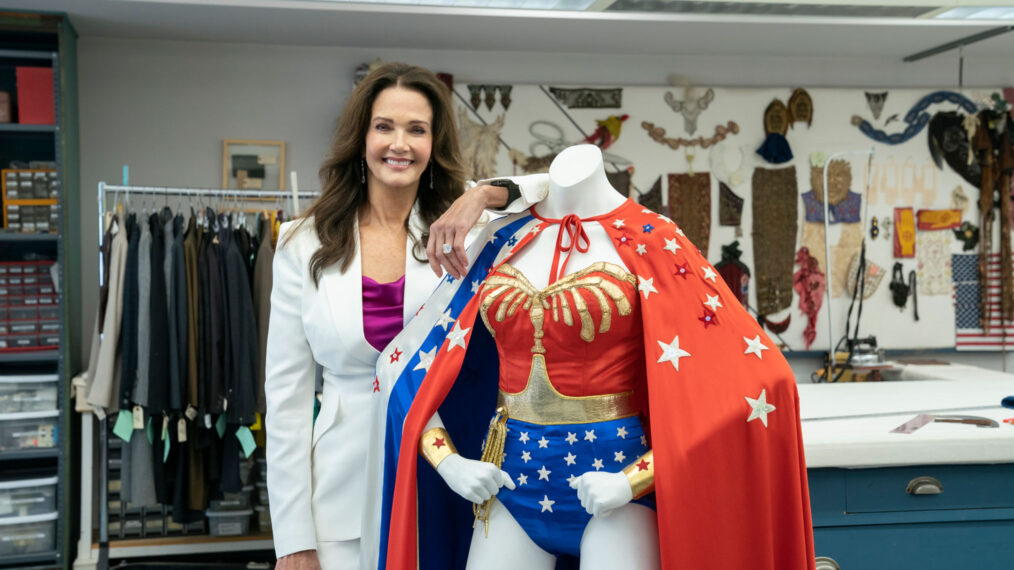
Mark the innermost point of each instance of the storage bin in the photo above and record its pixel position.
(30, 393)
(28, 430)
(263, 518)
(13, 341)
(25, 497)
(262, 492)
(25, 535)
(229, 523)
(234, 501)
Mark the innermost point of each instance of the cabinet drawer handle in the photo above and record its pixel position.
(827, 563)
(924, 485)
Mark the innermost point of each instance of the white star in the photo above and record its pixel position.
(713, 303)
(621, 432)
(709, 273)
(492, 239)
(522, 479)
(671, 245)
(570, 480)
(526, 456)
(644, 440)
(680, 232)
(618, 223)
(589, 435)
(641, 249)
(597, 464)
(535, 229)
(571, 437)
(445, 319)
(760, 408)
(457, 336)
(619, 457)
(647, 211)
(544, 473)
(426, 359)
(547, 505)
(570, 458)
(543, 442)
(524, 437)
(672, 352)
(646, 286)
(475, 286)
(664, 219)
(755, 346)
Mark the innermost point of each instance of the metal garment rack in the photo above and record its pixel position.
(101, 561)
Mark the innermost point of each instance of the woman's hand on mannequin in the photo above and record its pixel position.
(452, 227)
(602, 492)
(474, 480)
(302, 560)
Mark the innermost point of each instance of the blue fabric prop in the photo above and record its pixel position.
(917, 118)
(775, 149)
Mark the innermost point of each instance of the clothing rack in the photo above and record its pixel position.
(102, 559)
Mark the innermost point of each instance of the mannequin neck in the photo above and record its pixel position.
(578, 185)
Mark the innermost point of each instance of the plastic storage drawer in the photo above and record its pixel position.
(33, 393)
(26, 535)
(229, 523)
(26, 497)
(28, 430)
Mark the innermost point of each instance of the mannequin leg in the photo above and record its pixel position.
(508, 546)
(627, 537)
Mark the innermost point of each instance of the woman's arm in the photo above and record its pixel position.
(288, 388)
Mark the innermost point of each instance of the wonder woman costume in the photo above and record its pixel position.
(720, 404)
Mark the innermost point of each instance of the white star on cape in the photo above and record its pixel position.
(522, 479)
(457, 336)
(571, 437)
(619, 457)
(618, 223)
(672, 352)
(680, 232)
(621, 432)
(713, 303)
(671, 245)
(543, 442)
(492, 239)
(647, 211)
(755, 346)
(445, 319)
(641, 249)
(475, 285)
(570, 458)
(760, 408)
(524, 437)
(426, 359)
(589, 435)
(646, 286)
(544, 473)
(644, 440)
(570, 480)
(597, 464)
(526, 456)
(547, 505)
(709, 273)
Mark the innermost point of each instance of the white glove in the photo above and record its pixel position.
(474, 480)
(601, 492)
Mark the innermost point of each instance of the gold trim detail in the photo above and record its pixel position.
(436, 445)
(540, 403)
(641, 475)
(492, 452)
(522, 294)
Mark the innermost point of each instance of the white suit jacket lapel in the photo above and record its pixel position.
(344, 292)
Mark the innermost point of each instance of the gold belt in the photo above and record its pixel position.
(540, 403)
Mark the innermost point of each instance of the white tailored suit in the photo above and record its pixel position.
(317, 469)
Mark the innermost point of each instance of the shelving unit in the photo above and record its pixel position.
(43, 41)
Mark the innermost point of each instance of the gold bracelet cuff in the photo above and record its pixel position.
(641, 475)
(435, 445)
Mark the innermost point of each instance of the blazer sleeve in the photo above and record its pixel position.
(532, 188)
(289, 375)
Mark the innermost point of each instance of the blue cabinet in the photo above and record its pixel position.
(953, 517)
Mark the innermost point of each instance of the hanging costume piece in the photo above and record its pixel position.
(843, 204)
(777, 327)
(933, 254)
(930, 220)
(874, 228)
(607, 131)
(774, 237)
(800, 107)
(904, 233)
(734, 272)
(487, 94)
(621, 181)
(657, 134)
(690, 106)
(968, 235)
(875, 101)
(743, 439)
(690, 206)
(872, 277)
(720, 170)
(653, 198)
(916, 117)
(809, 282)
(776, 123)
(995, 151)
(479, 146)
(901, 291)
(948, 140)
(588, 98)
(959, 200)
(730, 206)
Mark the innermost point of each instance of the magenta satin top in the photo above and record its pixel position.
(383, 311)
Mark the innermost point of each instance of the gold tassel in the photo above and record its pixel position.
(492, 452)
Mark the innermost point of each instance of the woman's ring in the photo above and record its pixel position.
(446, 248)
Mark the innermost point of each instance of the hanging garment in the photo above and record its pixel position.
(103, 381)
(730, 206)
(735, 273)
(810, 283)
(776, 149)
(690, 206)
(262, 302)
(933, 263)
(653, 198)
(774, 237)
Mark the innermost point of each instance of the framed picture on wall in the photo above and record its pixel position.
(253, 164)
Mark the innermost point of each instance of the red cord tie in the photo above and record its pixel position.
(571, 224)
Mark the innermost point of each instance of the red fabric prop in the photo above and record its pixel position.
(809, 282)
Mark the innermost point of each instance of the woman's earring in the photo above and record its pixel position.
(431, 175)
(362, 173)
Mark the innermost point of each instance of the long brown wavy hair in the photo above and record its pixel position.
(342, 191)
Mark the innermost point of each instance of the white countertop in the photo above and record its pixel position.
(849, 424)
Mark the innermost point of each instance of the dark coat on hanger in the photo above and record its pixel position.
(262, 302)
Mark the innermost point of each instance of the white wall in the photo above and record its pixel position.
(163, 108)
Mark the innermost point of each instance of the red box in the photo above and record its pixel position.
(35, 95)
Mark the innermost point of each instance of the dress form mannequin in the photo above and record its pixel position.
(620, 534)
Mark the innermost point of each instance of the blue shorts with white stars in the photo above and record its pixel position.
(543, 459)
